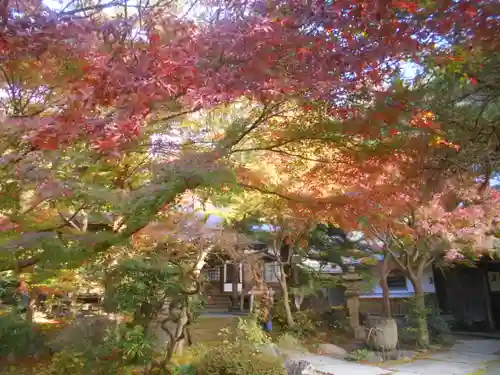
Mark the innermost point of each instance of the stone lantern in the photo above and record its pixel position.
(352, 282)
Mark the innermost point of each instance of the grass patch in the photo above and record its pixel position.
(206, 329)
(486, 366)
(481, 371)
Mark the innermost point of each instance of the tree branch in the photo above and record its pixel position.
(424, 262)
(300, 156)
(387, 248)
(274, 147)
(269, 192)
(69, 221)
(266, 148)
(228, 142)
(20, 264)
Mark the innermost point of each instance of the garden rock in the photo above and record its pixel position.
(332, 350)
(299, 367)
(82, 331)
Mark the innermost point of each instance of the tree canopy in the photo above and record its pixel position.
(310, 90)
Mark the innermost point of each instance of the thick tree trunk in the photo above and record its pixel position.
(423, 339)
(189, 336)
(288, 311)
(182, 333)
(235, 270)
(30, 311)
(386, 296)
(242, 301)
(286, 297)
(176, 341)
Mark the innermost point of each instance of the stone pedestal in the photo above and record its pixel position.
(351, 281)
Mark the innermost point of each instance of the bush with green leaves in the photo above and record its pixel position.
(188, 369)
(337, 319)
(288, 341)
(360, 355)
(439, 329)
(121, 347)
(8, 287)
(140, 286)
(249, 331)
(305, 320)
(67, 362)
(18, 337)
(134, 346)
(238, 360)
(143, 286)
(240, 353)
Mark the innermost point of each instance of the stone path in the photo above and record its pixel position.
(467, 357)
(334, 366)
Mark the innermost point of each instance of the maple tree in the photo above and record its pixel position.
(93, 90)
(413, 234)
(305, 87)
(270, 221)
(388, 193)
(300, 248)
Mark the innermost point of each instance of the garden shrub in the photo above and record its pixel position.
(360, 355)
(67, 362)
(305, 320)
(337, 319)
(288, 341)
(133, 344)
(81, 332)
(278, 314)
(189, 355)
(250, 331)
(8, 290)
(184, 370)
(439, 328)
(18, 337)
(240, 353)
(121, 347)
(238, 360)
